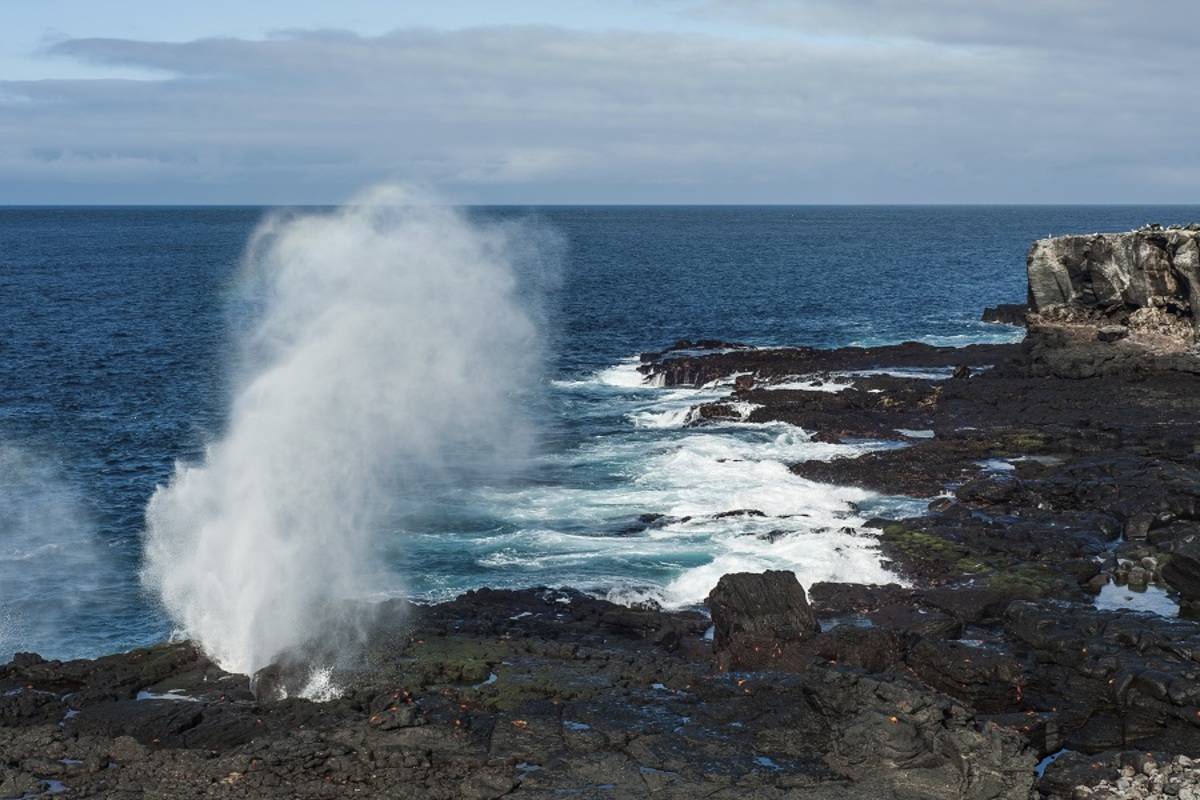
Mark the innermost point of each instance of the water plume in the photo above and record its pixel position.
(390, 345)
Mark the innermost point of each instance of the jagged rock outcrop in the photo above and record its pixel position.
(1118, 274)
(756, 616)
(1006, 314)
(1104, 303)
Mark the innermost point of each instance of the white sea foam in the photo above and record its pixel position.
(798, 383)
(389, 350)
(694, 480)
(814, 554)
(672, 408)
(984, 333)
(918, 373)
(623, 375)
(742, 408)
(320, 687)
(668, 418)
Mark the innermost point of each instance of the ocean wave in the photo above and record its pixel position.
(669, 418)
(984, 333)
(657, 510)
(808, 384)
(719, 499)
(623, 375)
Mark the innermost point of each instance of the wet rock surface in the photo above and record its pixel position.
(757, 618)
(536, 693)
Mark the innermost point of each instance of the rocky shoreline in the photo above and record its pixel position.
(1062, 477)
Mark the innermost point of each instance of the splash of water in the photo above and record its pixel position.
(392, 342)
(50, 564)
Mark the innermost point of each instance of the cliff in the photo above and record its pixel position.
(1118, 276)
(1114, 301)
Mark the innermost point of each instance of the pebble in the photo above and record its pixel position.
(1177, 778)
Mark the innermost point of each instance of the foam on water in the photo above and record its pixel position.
(809, 385)
(910, 433)
(976, 332)
(670, 408)
(917, 373)
(669, 418)
(660, 511)
(624, 375)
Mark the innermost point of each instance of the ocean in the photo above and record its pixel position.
(118, 332)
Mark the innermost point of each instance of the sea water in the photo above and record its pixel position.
(118, 332)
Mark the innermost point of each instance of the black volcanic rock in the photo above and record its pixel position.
(1182, 570)
(1006, 314)
(757, 616)
(698, 368)
(537, 693)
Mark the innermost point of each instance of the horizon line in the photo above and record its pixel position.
(11, 206)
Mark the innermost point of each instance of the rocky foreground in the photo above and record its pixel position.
(1058, 472)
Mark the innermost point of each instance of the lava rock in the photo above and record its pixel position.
(756, 616)
(1111, 333)
(1006, 314)
(1182, 570)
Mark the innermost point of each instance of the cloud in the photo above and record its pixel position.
(912, 111)
(1101, 26)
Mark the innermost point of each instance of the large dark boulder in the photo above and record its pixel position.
(1182, 570)
(759, 617)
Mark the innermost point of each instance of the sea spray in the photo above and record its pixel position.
(52, 569)
(391, 344)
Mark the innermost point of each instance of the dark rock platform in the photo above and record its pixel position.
(538, 693)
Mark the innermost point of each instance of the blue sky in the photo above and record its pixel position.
(811, 101)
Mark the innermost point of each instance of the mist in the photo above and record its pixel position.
(51, 567)
(390, 343)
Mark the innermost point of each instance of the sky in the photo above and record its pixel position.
(600, 101)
